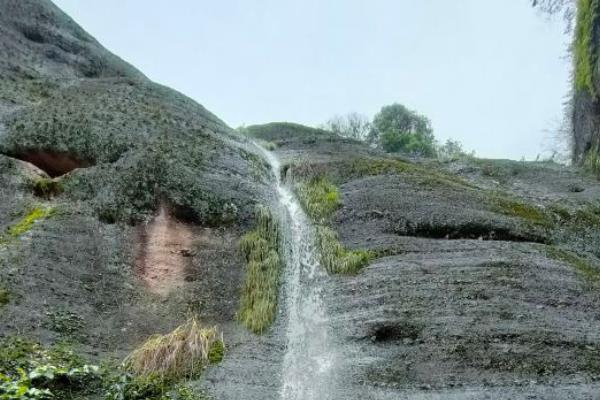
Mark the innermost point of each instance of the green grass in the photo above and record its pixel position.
(583, 48)
(582, 265)
(335, 257)
(263, 268)
(319, 197)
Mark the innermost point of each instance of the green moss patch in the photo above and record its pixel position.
(26, 223)
(516, 208)
(263, 268)
(4, 296)
(344, 171)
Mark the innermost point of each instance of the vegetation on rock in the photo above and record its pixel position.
(263, 269)
(46, 188)
(335, 257)
(320, 198)
(581, 264)
(585, 52)
(181, 354)
(29, 370)
(26, 222)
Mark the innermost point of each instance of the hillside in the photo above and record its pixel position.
(331, 270)
(103, 172)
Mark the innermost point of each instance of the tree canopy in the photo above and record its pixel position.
(397, 129)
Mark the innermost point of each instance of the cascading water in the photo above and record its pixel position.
(309, 360)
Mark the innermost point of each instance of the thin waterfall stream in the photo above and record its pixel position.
(309, 359)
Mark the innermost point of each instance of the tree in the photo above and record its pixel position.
(567, 7)
(397, 129)
(353, 126)
(452, 150)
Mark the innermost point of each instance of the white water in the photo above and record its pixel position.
(309, 359)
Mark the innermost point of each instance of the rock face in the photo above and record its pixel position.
(468, 296)
(123, 203)
(150, 193)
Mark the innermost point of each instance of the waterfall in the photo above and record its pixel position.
(309, 358)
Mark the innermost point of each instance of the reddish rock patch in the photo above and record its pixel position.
(53, 163)
(164, 253)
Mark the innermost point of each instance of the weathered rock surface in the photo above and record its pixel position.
(119, 147)
(484, 283)
(466, 299)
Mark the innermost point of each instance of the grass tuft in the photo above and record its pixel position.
(263, 267)
(335, 257)
(320, 198)
(183, 353)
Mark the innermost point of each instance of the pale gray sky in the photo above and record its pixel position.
(490, 73)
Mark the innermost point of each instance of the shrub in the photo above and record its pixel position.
(452, 150)
(353, 126)
(30, 371)
(263, 267)
(183, 353)
(153, 387)
(143, 387)
(46, 188)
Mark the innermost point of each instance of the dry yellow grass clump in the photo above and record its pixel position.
(183, 353)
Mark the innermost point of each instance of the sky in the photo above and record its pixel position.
(493, 74)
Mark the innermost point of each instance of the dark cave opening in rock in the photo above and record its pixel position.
(53, 163)
(390, 332)
(469, 230)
